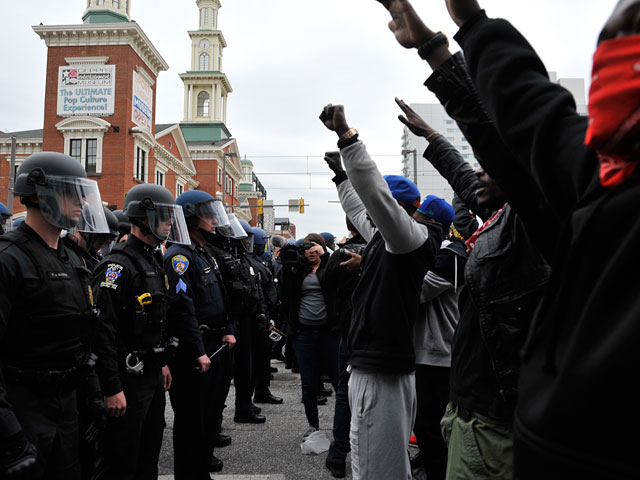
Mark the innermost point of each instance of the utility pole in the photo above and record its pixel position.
(414, 152)
(12, 179)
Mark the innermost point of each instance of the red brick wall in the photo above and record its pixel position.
(118, 148)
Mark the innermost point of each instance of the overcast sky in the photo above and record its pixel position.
(285, 60)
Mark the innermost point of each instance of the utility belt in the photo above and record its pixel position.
(212, 332)
(49, 381)
(135, 360)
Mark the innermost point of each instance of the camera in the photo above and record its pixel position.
(292, 255)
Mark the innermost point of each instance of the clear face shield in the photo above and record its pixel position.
(247, 243)
(67, 202)
(212, 213)
(167, 223)
(234, 230)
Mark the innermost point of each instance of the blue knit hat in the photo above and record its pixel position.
(403, 190)
(438, 209)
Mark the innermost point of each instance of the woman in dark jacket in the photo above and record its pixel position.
(305, 309)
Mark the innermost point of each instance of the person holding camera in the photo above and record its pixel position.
(303, 291)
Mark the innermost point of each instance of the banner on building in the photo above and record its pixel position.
(142, 110)
(86, 90)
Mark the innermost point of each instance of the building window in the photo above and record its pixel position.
(449, 122)
(203, 104)
(206, 16)
(450, 139)
(204, 61)
(179, 189)
(159, 178)
(464, 147)
(200, 17)
(91, 155)
(75, 149)
(219, 176)
(87, 158)
(236, 191)
(140, 170)
(213, 18)
(99, 2)
(116, 3)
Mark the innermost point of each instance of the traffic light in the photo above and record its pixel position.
(260, 206)
(301, 204)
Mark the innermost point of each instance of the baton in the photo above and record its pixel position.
(224, 345)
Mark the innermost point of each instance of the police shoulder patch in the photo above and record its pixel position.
(111, 275)
(180, 264)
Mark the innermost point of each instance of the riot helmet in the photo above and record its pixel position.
(199, 205)
(234, 230)
(329, 239)
(260, 238)
(156, 204)
(247, 242)
(65, 196)
(5, 219)
(124, 225)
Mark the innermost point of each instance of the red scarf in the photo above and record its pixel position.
(614, 108)
(471, 242)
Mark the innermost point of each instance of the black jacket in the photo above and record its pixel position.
(292, 277)
(505, 273)
(340, 286)
(581, 360)
(120, 283)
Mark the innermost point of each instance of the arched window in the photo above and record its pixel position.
(203, 104)
(204, 61)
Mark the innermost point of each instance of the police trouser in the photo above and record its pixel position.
(261, 361)
(242, 370)
(129, 448)
(49, 418)
(195, 398)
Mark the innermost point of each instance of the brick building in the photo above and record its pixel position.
(100, 106)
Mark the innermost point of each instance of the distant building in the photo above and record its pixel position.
(429, 180)
(100, 106)
(284, 228)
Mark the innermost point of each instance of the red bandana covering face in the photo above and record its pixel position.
(614, 108)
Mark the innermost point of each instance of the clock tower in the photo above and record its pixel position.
(205, 86)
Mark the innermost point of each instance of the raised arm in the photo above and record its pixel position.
(537, 119)
(400, 232)
(351, 203)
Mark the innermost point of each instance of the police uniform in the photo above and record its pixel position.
(244, 299)
(90, 401)
(198, 317)
(261, 343)
(46, 315)
(131, 294)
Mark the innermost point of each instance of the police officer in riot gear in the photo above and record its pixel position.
(198, 317)
(261, 345)
(244, 307)
(91, 246)
(132, 345)
(124, 226)
(5, 219)
(46, 319)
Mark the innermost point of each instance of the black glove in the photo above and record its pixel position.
(17, 456)
(98, 415)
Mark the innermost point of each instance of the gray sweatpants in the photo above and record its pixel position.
(383, 408)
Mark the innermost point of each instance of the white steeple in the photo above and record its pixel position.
(205, 86)
(107, 11)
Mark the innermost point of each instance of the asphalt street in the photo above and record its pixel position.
(270, 450)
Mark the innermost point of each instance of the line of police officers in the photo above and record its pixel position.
(92, 335)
